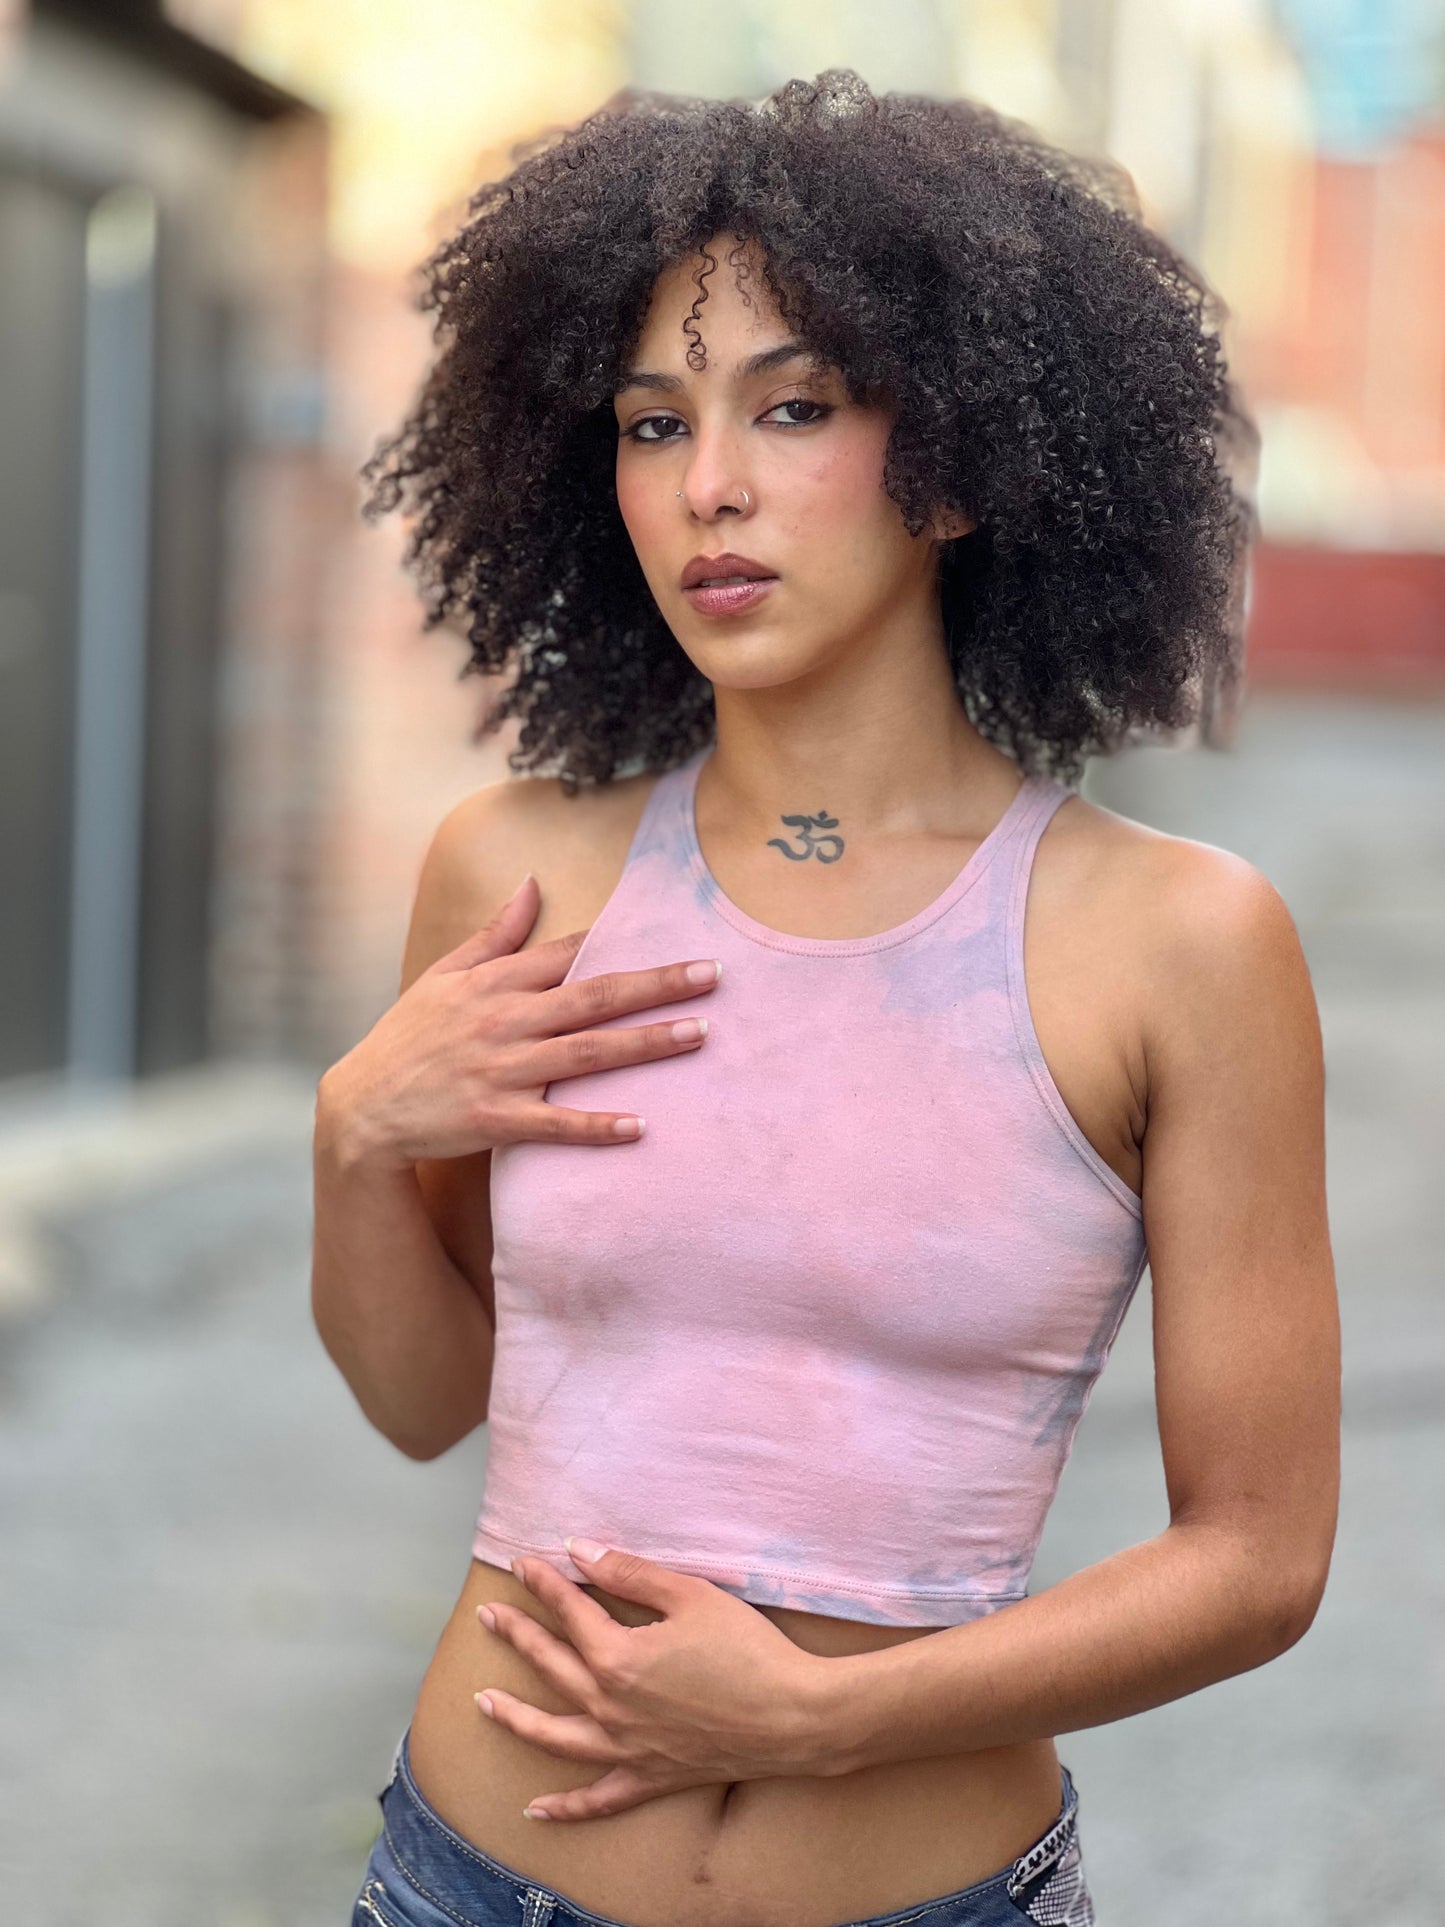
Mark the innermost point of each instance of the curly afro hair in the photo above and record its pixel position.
(1055, 368)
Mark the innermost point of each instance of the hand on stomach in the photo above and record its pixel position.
(794, 1852)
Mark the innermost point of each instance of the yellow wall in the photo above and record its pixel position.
(425, 97)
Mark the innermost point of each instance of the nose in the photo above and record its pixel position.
(741, 506)
(714, 486)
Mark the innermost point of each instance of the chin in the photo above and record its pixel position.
(755, 661)
(743, 654)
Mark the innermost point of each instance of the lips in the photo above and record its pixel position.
(730, 598)
(719, 569)
(726, 584)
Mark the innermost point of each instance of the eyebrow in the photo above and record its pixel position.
(761, 363)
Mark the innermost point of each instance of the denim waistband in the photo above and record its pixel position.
(471, 1887)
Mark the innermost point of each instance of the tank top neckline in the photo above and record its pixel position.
(1030, 789)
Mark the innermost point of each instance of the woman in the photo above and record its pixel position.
(835, 474)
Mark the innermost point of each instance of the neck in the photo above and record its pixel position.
(899, 754)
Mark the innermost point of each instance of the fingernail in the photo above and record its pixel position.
(704, 973)
(629, 1127)
(587, 1549)
(521, 886)
(487, 1617)
(535, 1813)
(484, 1700)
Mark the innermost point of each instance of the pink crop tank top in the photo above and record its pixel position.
(823, 1334)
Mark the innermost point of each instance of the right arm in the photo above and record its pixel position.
(409, 1329)
(401, 1282)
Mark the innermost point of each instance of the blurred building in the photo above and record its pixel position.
(227, 739)
(162, 215)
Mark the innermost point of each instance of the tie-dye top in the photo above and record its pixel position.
(823, 1334)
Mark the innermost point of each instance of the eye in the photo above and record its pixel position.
(796, 413)
(821, 409)
(650, 422)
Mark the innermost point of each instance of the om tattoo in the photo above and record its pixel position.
(805, 828)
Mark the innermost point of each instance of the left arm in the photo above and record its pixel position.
(1247, 1383)
(1247, 1373)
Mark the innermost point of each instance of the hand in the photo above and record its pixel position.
(460, 1062)
(711, 1692)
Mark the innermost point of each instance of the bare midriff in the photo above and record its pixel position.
(783, 1852)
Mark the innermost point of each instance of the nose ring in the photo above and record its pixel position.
(747, 499)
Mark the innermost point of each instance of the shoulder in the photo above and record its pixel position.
(487, 842)
(1206, 940)
(1194, 897)
(491, 838)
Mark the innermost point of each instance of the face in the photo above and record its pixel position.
(760, 454)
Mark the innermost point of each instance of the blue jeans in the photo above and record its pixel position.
(422, 1874)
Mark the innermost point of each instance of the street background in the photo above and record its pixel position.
(225, 741)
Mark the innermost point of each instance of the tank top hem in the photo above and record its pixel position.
(657, 800)
(830, 1597)
(1052, 796)
(685, 776)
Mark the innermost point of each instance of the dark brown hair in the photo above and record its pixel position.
(1056, 370)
